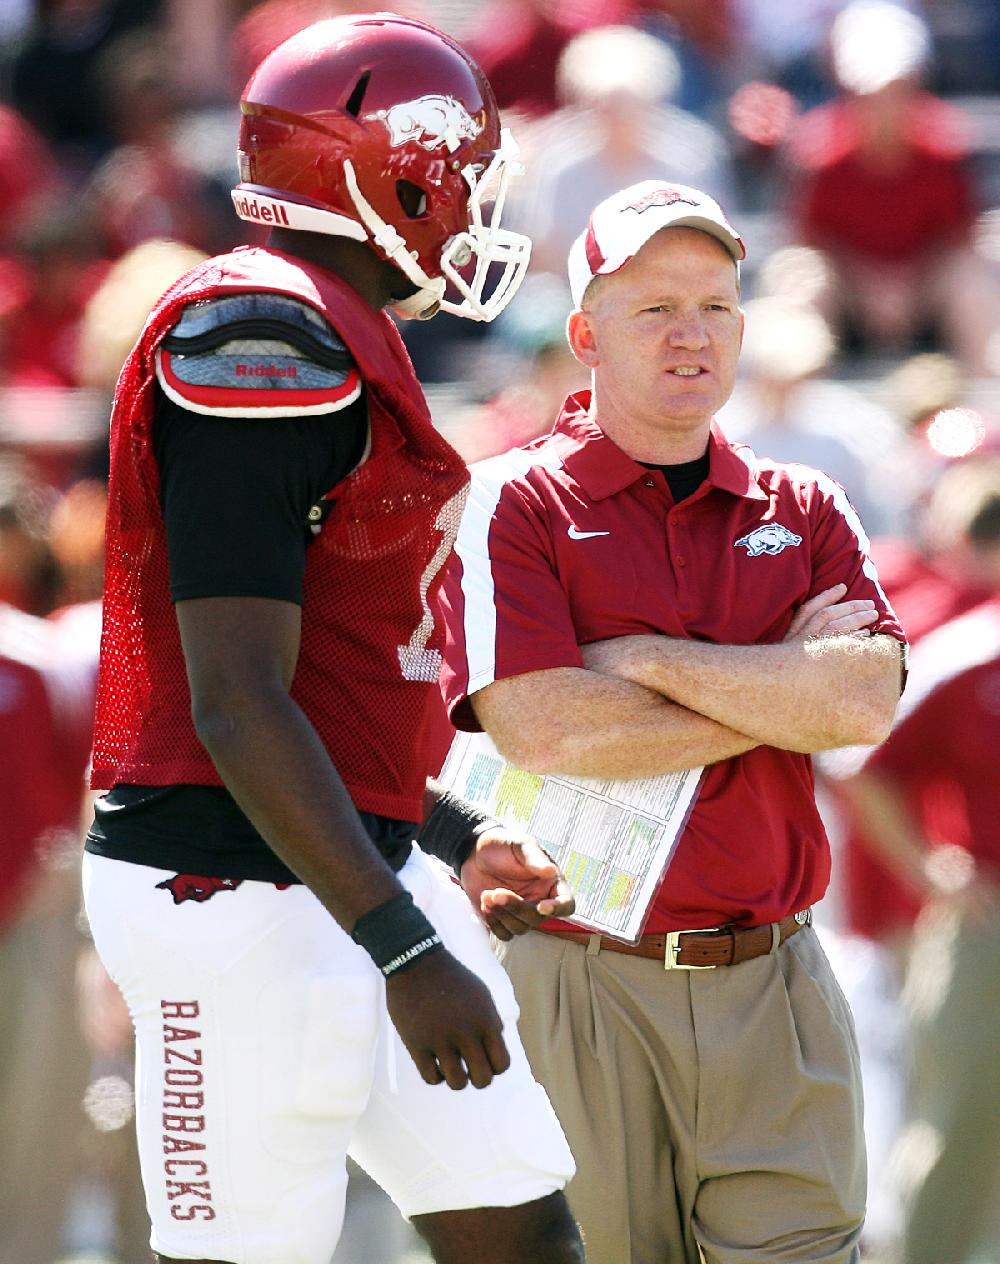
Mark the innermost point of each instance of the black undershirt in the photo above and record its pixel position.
(236, 495)
(684, 479)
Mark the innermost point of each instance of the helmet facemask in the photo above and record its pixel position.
(483, 241)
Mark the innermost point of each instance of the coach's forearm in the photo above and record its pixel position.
(585, 724)
(799, 695)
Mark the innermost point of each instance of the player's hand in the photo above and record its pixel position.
(514, 884)
(446, 1018)
(827, 615)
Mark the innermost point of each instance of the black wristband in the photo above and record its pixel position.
(395, 934)
(451, 830)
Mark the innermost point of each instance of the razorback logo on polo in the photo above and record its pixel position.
(432, 121)
(664, 196)
(771, 538)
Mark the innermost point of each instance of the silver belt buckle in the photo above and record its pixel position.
(805, 917)
(673, 948)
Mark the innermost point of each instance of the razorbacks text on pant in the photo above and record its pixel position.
(183, 1095)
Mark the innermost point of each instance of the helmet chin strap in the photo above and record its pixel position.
(430, 290)
(420, 306)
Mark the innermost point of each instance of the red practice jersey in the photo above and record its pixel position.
(569, 541)
(370, 649)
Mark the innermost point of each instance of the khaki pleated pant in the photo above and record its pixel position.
(713, 1114)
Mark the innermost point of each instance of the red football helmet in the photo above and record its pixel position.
(380, 128)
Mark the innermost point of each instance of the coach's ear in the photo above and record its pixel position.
(580, 336)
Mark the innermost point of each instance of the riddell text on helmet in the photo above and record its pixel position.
(273, 213)
(183, 1116)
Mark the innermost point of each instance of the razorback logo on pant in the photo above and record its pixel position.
(192, 886)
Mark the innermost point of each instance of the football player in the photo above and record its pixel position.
(300, 975)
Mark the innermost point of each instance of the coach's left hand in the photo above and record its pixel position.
(514, 884)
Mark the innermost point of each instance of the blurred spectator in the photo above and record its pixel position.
(76, 541)
(28, 784)
(266, 25)
(46, 708)
(519, 46)
(62, 268)
(118, 308)
(530, 338)
(146, 187)
(41, 1061)
(948, 732)
(616, 128)
(27, 570)
(704, 37)
(28, 172)
(761, 117)
(787, 44)
(928, 395)
(784, 409)
(203, 29)
(866, 972)
(51, 74)
(928, 585)
(883, 188)
(15, 290)
(967, 45)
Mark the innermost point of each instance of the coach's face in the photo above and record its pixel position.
(662, 336)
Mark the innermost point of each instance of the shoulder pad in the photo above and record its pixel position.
(263, 354)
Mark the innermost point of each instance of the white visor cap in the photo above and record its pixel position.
(622, 224)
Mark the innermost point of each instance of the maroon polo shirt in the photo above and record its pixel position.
(568, 540)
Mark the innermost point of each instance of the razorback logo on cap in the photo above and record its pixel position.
(664, 196)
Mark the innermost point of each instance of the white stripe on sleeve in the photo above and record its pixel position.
(489, 478)
(850, 515)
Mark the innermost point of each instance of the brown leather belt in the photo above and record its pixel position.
(698, 949)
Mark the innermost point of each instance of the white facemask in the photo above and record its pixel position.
(484, 241)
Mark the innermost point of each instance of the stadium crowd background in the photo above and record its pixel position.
(856, 147)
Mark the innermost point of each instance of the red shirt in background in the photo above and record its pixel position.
(924, 598)
(948, 730)
(31, 790)
(519, 46)
(847, 203)
(27, 169)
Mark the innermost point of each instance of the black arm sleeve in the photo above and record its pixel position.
(452, 829)
(235, 493)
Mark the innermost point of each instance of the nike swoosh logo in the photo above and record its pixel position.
(584, 535)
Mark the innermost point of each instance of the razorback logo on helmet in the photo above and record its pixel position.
(770, 538)
(664, 196)
(432, 121)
